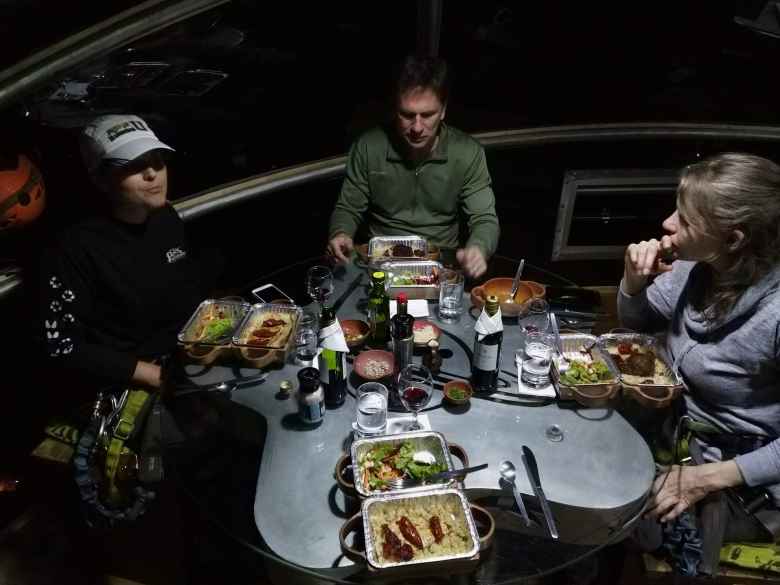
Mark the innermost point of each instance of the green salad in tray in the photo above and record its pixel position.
(388, 461)
(216, 329)
(581, 372)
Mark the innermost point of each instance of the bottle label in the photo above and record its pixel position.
(486, 357)
(312, 412)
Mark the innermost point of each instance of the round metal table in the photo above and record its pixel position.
(596, 478)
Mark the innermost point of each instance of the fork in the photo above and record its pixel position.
(399, 483)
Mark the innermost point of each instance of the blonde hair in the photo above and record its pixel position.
(728, 192)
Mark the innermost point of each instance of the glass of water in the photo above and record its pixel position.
(306, 338)
(371, 409)
(450, 294)
(535, 369)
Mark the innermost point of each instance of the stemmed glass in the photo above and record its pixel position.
(319, 283)
(415, 387)
(537, 319)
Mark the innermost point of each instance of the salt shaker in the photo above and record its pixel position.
(432, 359)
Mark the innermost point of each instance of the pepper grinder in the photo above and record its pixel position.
(432, 359)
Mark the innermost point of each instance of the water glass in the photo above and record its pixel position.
(450, 294)
(535, 369)
(306, 338)
(371, 409)
(537, 318)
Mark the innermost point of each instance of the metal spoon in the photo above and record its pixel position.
(507, 471)
(516, 282)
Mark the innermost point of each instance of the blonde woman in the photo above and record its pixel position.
(713, 285)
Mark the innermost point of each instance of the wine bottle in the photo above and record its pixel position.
(402, 331)
(332, 362)
(487, 353)
(378, 312)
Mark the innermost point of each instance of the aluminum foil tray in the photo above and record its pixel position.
(609, 342)
(192, 332)
(378, 245)
(428, 268)
(430, 441)
(261, 355)
(452, 498)
(572, 344)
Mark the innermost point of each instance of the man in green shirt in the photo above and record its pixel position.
(420, 177)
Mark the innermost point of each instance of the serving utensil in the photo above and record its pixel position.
(516, 281)
(507, 471)
(407, 482)
(564, 363)
(226, 386)
(532, 469)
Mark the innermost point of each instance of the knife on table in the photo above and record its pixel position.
(532, 469)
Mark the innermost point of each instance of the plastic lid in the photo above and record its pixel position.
(402, 298)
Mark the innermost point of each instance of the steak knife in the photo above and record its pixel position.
(532, 469)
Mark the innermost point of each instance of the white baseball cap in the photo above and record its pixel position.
(116, 140)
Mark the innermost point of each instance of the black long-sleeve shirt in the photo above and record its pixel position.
(114, 293)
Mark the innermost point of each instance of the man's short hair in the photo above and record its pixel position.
(426, 72)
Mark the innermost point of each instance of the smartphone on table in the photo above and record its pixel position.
(270, 293)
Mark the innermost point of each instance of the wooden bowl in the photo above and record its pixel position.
(201, 354)
(651, 396)
(538, 290)
(257, 357)
(355, 332)
(501, 287)
(449, 388)
(365, 359)
(486, 526)
(419, 325)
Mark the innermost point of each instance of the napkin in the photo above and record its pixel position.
(415, 307)
(486, 324)
(543, 392)
(332, 337)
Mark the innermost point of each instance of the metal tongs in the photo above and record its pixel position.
(516, 281)
(532, 469)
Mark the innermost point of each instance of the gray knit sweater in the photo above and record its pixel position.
(731, 370)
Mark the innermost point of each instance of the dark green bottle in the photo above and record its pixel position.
(487, 354)
(333, 371)
(378, 311)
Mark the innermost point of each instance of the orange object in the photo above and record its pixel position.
(22, 194)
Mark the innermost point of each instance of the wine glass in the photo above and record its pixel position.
(319, 283)
(415, 387)
(537, 319)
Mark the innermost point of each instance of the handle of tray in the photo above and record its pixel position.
(346, 486)
(348, 527)
(652, 401)
(459, 452)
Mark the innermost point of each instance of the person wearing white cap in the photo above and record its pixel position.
(117, 289)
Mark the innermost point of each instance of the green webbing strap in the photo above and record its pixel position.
(697, 426)
(122, 431)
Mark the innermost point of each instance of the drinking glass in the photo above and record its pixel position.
(535, 369)
(306, 338)
(319, 283)
(371, 409)
(415, 386)
(537, 319)
(450, 295)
